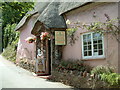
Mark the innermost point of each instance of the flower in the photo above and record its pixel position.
(68, 21)
(44, 35)
(30, 39)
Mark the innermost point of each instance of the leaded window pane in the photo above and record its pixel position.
(85, 53)
(100, 52)
(89, 53)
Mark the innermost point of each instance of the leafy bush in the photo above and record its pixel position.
(107, 75)
(27, 65)
(102, 69)
(73, 65)
(113, 78)
(76, 81)
(10, 52)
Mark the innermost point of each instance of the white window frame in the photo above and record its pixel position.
(92, 57)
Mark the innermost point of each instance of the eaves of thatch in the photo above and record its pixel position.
(37, 9)
(68, 6)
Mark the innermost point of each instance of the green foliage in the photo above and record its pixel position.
(12, 12)
(102, 69)
(71, 34)
(113, 78)
(107, 75)
(76, 80)
(10, 52)
(71, 31)
(10, 34)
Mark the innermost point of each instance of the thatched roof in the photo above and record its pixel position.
(40, 6)
(50, 19)
(50, 16)
(24, 19)
(68, 6)
(37, 9)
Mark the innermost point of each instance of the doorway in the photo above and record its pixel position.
(43, 57)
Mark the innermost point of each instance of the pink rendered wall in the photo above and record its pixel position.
(85, 14)
(26, 50)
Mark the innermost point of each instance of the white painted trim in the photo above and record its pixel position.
(92, 42)
(82, 45)
(92, 57)
(103, 45)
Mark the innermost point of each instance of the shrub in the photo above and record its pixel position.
(73, 65)
(102, 69)
(112, 79)
(10, 52)
(76, 81)
(27, 65)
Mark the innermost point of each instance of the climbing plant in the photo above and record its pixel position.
(71, 35)
(110, 26)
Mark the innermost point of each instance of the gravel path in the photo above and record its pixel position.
(12, 76)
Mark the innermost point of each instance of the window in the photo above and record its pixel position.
(92, 45)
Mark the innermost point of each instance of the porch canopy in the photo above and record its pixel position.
(49, 19)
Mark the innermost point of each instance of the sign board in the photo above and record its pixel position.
(60, 38)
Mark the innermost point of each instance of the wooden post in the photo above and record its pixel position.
(51, 52)
(47, 57)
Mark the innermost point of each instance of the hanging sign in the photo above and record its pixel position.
(60, 38)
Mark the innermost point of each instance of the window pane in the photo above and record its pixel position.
(85, 53)
(99, 41)
(89, 47)
(84, 37)
(97, 35)
(95, 46)
(89, 37)
(85, 43)
(85, 47)
(89, 53)
(100, 52)
(99, 46)
(94, 41)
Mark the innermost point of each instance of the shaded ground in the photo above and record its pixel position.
(12, 76)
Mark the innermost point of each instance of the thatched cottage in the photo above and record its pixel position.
(49, 18)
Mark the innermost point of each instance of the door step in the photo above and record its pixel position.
(42, 75)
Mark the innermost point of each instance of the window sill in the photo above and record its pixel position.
(96, 58)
